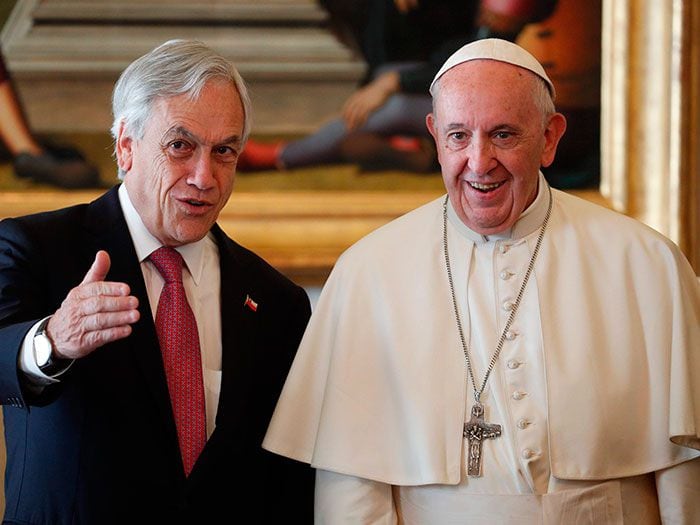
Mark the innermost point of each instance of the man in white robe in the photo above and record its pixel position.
(596, 386)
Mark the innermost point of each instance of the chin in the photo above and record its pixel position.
(188, 237)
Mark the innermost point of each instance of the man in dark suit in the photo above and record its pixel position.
(103, 423)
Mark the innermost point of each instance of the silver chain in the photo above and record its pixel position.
(514, 309)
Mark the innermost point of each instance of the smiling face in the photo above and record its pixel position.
(180, 174)
(492, 138)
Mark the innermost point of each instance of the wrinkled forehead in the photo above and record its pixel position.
(490, 93)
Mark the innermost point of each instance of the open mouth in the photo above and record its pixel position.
(193, 202)
(485, 188)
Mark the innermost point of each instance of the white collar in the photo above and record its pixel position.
(145, 243)
(531, 219)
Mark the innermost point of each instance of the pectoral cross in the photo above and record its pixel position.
(476, 430)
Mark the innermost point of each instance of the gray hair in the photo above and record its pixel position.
(541, 94)
(175, 67)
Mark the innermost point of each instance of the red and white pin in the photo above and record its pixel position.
(250, 303)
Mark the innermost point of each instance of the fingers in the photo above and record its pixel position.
(82, 344)
(369, 98)
(104, 304)
(355, 112)
(99, 289)
(93, 284)
(99, 269)
(349, 114)
(78, 329)
(93, 313)
(357, 117)
(105, 321)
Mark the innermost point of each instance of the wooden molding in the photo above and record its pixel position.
(300, 233)
(650, 116)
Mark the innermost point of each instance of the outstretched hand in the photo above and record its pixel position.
(94, 313)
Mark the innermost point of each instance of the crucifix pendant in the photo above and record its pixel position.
(476, 430)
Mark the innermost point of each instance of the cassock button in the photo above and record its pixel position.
(518, 395)
(523, 423)
(528, 453)
(503, 248)
(513, 364)
(505, 275)
(508, 306)
(510, 335)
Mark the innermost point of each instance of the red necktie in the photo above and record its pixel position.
(179, 345)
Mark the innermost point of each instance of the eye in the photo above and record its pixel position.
(179, 148)
(224, 150)
(503, 135)
(456, 140)
(226, 153)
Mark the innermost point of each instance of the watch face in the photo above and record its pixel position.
(42, 349)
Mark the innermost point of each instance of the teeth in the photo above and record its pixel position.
(484, 187)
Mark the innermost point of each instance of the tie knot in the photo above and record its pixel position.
(169, 263)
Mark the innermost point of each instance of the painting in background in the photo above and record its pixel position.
(568, 44)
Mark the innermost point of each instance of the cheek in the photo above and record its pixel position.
(160, 164)
(452, 162)
(522, 165)
(166, 174)
(226, 178)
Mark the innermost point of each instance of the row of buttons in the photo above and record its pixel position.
(522, 423)
(514, 364)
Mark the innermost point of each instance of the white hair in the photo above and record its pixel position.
(175, 67)
(541, 94)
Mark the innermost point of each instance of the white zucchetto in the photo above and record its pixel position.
(495, 49)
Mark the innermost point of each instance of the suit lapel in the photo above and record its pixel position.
(239, 326)
(107, 230)
(105, 221)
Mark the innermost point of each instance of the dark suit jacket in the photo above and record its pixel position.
(101, 446)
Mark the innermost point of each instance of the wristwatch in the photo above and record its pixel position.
(43, 351)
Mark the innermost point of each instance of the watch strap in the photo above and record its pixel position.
(53, 366)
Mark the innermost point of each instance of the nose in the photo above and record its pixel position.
(202, 173)
(481, 156)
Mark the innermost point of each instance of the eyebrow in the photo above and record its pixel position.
(180, 131)
(458, 126)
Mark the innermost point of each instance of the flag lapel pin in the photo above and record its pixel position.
(252, 305)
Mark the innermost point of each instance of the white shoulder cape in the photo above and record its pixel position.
(378, 389)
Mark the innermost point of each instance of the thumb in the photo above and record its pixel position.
(98, 270)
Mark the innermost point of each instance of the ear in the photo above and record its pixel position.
(552, 134)
(124, 148)
(430, 124)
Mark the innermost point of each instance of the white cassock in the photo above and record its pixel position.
(597, 388)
